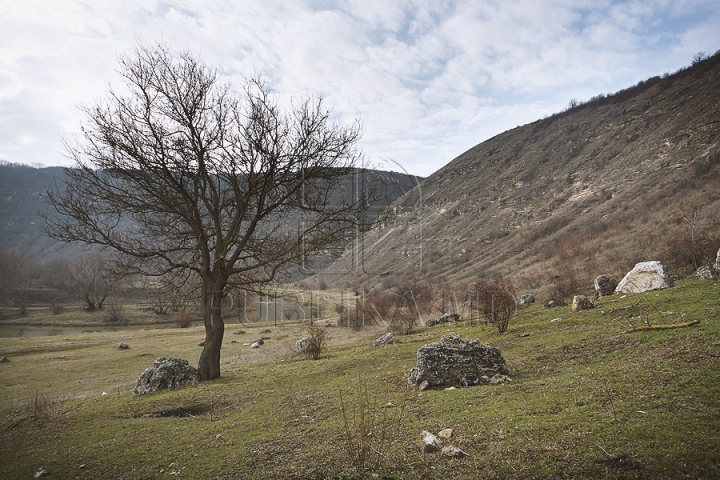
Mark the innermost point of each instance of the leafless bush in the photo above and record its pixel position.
(403, 321)
(115, 313)
(318, 337)
(565, 285)
(495, 301)
(368, 427)
(694, 244)
(183, 319)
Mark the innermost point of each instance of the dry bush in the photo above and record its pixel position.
(115, 313)
(368, 427)
(403, 321)
(183, 319)
(565, 285)
(495, 301)
(317, 339)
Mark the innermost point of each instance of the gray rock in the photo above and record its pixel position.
(303, 344)
(605, 285)
(260, 341)
(255, 345)
(644, 277)
(386, 339)
(265, 330)
(452, 362)
(551, 304)
(42, 472)
(581, 302)
(430, 442)
(4, 360)
(431, 322)
(707, 272)
(526, 300)
(166, 373)
(121, 346)
(239, 332)
(453, 452)
(449, 317)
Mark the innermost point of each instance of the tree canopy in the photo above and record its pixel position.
(179, 172)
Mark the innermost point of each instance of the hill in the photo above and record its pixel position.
(590, 190)
(21, 205)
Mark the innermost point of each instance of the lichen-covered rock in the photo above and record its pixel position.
(449, 317)
(386, 339)
(526, 300)
(581, 302)
(453, 452)
(166, 373)
(706, 272)
(452, 362)
(645, 276)
(430, 442)
(303, 344)
(431, 322)
(605, 285)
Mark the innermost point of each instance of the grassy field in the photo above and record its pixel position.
(586, 401)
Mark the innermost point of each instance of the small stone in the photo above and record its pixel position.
(201, 344)
(82, 466)
(524, 334)
(453, 452)
(42, 472)
(265, 330)
(239, 332)
(556, 319)
(386, 339)
(4, 360)
(255, 345)
(121, 346)
(430, 442)
(61, 357)
(445, 434)
(581, 302)
(450, 388)
(234, 341)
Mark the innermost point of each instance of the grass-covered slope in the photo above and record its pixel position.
(586, 401)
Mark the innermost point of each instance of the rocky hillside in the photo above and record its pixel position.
(587, 191)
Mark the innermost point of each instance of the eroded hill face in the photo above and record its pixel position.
(593, 190)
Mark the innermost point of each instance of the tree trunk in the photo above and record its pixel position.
(209, 363)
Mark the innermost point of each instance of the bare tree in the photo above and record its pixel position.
(90, 278)
(182, 173)
(15, 278)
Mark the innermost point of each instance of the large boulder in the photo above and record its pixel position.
(605, 285)
(645, 276)
(452, 362)
(166, 373)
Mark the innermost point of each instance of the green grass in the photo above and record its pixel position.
(586, 401)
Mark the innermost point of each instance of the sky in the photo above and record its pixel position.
(428, 79)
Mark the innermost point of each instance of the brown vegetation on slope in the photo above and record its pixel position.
(591, 190)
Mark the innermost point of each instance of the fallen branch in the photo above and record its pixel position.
(662, 327)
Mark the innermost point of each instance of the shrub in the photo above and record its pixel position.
(317, 338)
(495, 301)
(183, 319)
(115, 313)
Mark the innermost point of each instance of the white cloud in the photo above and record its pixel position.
(428, 79)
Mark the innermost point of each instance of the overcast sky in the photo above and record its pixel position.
(429, 79)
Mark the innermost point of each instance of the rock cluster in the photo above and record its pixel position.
(645, 276)
(164, 373)
(431, 443)
(453, 362)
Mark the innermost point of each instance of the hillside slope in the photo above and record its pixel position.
(592, 189)
(21, 204)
